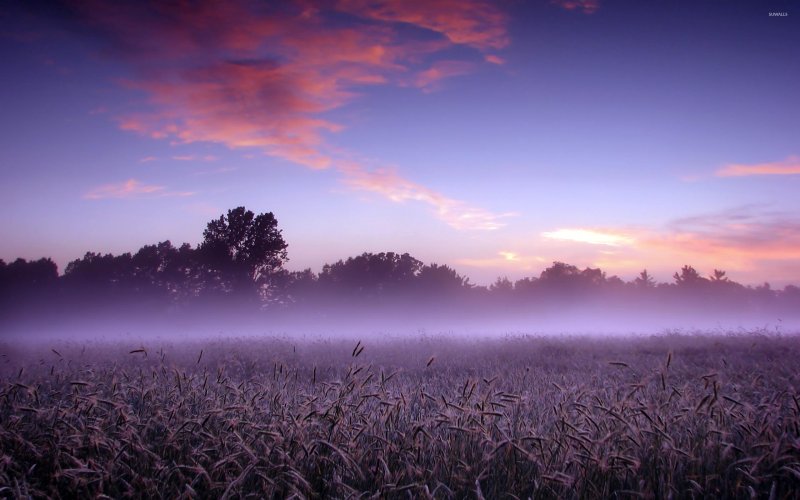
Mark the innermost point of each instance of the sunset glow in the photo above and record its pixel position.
(590, 236)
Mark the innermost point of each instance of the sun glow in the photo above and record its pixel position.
(590, 236)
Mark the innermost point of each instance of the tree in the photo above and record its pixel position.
(298, 286)
(526, 286)
(100, 276)
(644, 280)
(559, 274)
(688, 277)
(435, 278)
(566, 278)
(371, 274)
(502, 287)
(242, 251)
(719, 277)
(28, 274)
(25, 279)
(593, 277)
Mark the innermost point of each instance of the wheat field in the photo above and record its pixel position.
(670, 416)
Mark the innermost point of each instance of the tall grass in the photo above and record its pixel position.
(670, 416)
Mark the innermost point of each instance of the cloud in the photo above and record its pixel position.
(389, 184)
(746, 234)
(259, 75)
(746, 240)
(789, 166)
(753, 243)
(194, 158)
(428, 80)
(474, 23)
(217, 171)
(494, 59)
(590, 236)
(203, 209)
(131, 189)
(585, 6)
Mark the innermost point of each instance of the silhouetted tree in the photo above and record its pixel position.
(688, 277)
(371, 274)
(242, 251)
(299, 286)
(502, 287)
(24, 280)
(99, 276)
(242, 256)
(28, 274)
(435, 278)
(790, 298)
(764, 292)
(614, 283)
(163, 272)
(644, 280)
(718, 276)
(566, 278)
(791, 292)
(526, 286)
(591, 277)
(559, 274)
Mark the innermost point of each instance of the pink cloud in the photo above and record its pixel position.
(248, 76)
(744, 235)
(494, 59)
(428, 80)
(389, 184)
(216, 171)
(203, 209)
(585, 6)
(789, 166)
(253, 75)
(130, 189)
(743, 240)
(205, 158)
(475, 23)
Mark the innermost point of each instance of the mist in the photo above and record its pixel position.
(471, 317)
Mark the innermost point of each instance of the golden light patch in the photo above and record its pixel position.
(590, 236)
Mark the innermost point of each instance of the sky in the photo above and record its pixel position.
(494, 137)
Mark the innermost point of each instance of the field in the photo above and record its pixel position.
(657, 417)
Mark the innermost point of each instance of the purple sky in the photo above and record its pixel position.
(495, 137)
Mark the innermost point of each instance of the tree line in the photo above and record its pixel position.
(241, 262)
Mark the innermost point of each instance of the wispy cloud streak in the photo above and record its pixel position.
(429, 80)
(131, 189)
(789, 166)
(584, 6)
(591, 236)
(389, 184)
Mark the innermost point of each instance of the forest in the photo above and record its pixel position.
(240, 266)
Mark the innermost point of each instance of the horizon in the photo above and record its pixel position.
(492, 137)
(535, 275)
